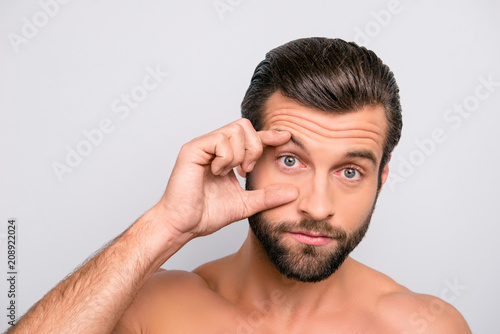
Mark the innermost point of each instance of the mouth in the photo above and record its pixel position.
(311, 238)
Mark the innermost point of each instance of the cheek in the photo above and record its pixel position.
(353, 209)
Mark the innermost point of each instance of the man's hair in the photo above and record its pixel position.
(330, 75)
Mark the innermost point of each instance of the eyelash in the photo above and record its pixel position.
(356, 168)
(282, 165)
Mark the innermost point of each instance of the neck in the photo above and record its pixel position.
(260, 284)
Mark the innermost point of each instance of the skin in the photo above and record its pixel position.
(122, 290)
(244, 293)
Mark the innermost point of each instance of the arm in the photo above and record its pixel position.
(93, 298)
(202, 196)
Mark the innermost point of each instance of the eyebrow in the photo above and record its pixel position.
(363, 154)
(298, 142)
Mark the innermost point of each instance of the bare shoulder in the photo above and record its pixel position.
(216, 273)
(405, 311)
(172, 283)
(411, 312)
(161, 297)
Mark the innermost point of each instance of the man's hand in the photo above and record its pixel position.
(203, 193)
(202, 196)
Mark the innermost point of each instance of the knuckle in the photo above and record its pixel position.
(226, 156)
(233, 125)
(238, 158)
(255, 151)
(220, 136)
(186, 147)
(252, 156)
(231, 131)
(245, 122)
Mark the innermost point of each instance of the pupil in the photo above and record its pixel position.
(350, 173)
(289, 161)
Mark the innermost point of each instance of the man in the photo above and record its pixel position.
(322, 117)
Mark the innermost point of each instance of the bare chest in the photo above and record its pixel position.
(227, 321)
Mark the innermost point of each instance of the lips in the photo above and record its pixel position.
(311, 238)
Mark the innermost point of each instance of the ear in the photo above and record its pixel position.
(385, 174)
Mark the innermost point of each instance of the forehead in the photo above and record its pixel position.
(366, 127)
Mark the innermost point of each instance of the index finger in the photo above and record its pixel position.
(274, 137)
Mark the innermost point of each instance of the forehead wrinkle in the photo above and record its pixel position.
(328, 126)
(345, 133)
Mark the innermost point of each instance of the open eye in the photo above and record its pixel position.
(289, 161)
(351, 174)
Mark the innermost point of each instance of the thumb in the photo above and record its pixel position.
(270, 197)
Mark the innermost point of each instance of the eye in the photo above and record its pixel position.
(351, 173)
(289, 161)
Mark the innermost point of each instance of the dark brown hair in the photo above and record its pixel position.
(330, 75)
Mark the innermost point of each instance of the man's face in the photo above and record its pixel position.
(333, 160)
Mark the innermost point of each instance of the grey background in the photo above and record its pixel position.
(433, 226)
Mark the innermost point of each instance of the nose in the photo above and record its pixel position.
(316, 198)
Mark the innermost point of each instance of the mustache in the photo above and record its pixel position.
(315, 226)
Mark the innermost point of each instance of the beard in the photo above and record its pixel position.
(303, 262)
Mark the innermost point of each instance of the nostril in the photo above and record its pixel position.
(317, 210)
